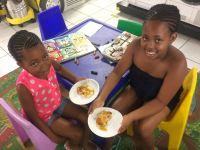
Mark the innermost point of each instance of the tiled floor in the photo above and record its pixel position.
(103, 10)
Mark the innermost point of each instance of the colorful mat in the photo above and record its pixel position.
(10, 141)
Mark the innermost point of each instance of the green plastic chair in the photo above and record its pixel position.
(133, 27)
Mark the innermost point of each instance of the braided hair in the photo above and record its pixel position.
(165, 13)
(20, 41)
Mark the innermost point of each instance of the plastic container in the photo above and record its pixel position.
(17, 9)
(18, 12)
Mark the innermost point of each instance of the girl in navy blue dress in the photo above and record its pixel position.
(157, 70)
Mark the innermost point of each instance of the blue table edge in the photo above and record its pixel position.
(123, 81)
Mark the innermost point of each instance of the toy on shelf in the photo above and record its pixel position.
(18, 12)
(2, 9)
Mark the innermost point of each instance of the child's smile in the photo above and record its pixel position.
(151, 53)
(155, 39)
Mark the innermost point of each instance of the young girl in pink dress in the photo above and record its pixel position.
(39, 93)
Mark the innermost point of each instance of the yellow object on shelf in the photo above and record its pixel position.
(17, 21)
(2, 12)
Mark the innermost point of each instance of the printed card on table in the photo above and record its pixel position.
(68, 47)
(116, 49)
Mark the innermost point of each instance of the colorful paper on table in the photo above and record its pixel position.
(90, 28)
(68, 47)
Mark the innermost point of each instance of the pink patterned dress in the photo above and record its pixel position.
(46, 93)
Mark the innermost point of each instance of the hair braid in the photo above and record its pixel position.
(20, 41)
(166, 13)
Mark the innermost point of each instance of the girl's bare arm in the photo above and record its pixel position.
(113, 78)
(27, 104)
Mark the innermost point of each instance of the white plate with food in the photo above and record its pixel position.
(84, 91)
(105, 122)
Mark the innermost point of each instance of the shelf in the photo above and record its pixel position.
(184, 28)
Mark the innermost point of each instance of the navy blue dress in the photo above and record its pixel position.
(147, 86)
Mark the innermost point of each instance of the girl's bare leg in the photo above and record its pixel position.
(126, 101)
(76, 132)
(67, 129)
(146, 127)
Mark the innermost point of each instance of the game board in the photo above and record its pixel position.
(117, 48)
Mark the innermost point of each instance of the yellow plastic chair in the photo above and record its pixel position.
(177, 120)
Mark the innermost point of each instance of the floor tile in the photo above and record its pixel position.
(103, 10)
(112, 8)
(101, 3)
(116, 1)
(191, 50)
(2, 52)
(113, 22)
(4, 45)
(27, 26)
(191, 64)
(3, 25)
(69, 24)
(7, 64)
(87, 9)
(36, 31)
(180, 41)
(122, 15)
(6, 32)
(74, 16)
(102, 15)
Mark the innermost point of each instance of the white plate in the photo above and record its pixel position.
(113, 125)
(81, 100)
